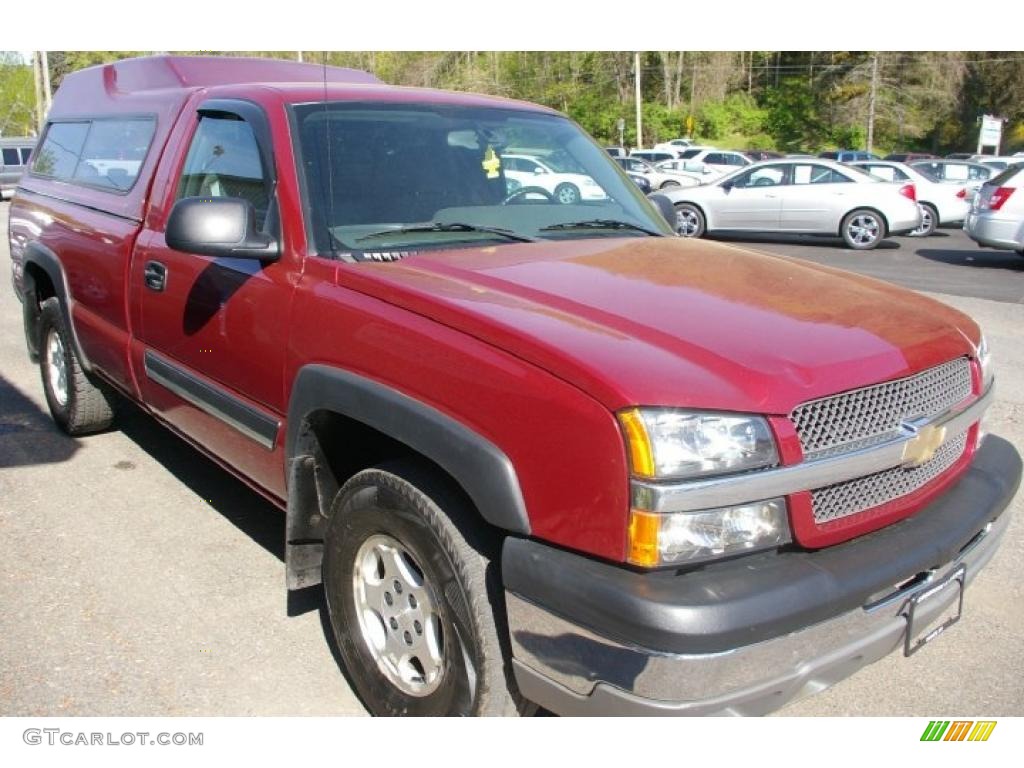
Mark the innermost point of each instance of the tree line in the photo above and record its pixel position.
(784, 100)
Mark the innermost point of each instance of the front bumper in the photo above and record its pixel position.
(744, 636)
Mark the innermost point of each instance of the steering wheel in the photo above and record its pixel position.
(523, 191)
(764, 181)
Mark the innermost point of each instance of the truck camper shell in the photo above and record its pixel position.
(158, 87)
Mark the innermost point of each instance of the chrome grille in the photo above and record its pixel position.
(853, 496)
(865, 416)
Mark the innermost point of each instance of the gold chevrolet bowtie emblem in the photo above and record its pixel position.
(922, 447)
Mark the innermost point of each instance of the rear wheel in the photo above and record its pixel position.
(670, 184)
(414, 600)
(862, 229)
(78, 404)
(567, 194)
(689, 220)
(929, 221)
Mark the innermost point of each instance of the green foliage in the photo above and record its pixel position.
(737, 115)
(17, 98)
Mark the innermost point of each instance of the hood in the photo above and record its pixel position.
(676, 322)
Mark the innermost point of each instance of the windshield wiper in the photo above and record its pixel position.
(601, 224)
(454, 226)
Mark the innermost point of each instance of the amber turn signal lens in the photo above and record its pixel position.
(641, 455)
(643, 538)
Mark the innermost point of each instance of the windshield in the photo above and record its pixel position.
(397, 177)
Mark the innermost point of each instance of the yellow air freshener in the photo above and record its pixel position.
(491, 163)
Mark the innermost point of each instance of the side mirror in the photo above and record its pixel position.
(665, 208)
(727, 185)
(539, 171)
(219, 226)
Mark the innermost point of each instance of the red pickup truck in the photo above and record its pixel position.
(537, 449)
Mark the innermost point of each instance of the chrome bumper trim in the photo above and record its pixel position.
(574, 671)
(817, 473)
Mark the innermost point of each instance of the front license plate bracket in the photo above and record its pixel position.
(918, 635)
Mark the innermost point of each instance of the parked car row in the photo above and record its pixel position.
(941, 204)
(815, 197)
(14, 159)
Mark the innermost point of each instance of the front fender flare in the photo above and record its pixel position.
(480, 467)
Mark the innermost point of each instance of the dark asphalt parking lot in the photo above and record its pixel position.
(138, 578)
(948, 262)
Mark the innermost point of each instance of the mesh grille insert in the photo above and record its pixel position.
(842, 499)
(865, 416)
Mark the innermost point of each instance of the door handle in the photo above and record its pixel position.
(155, 276)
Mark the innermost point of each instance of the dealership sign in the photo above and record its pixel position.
(991, 131)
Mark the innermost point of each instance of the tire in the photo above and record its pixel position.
(670, 184)
(407, 565)
(689, 220)
(567, 194)
(78, 404)
(929, 221)
(862, 229)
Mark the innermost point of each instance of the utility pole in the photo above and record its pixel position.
(639, 118)
(37, 75)
(872, 96)
(44, 63)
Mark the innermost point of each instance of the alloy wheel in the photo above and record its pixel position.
(57, 368)
(398, 615)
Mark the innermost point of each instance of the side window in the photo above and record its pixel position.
(765, 176)
(715, 158)
(104, 153)
(886, 172)
(58, 155)
(113, 153)
(817, 174)
(224, 161)
(737, 160)
(9, 156)
(26, 155)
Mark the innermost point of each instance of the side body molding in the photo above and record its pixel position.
(482, 469)
(42, 257)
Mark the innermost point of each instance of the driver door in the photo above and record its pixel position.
(752, 201)
(210, 334)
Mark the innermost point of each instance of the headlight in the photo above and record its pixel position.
(672, 444)
(682, 538)
(985, 363)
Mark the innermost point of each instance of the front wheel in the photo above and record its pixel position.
(862, 229)
(689, 220)
(413, 598)
(567, 194)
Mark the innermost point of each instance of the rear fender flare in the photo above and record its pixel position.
(45, 259)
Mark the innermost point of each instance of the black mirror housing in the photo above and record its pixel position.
(665, 208)
(219, 226)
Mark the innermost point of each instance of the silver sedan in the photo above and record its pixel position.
(818, 197)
